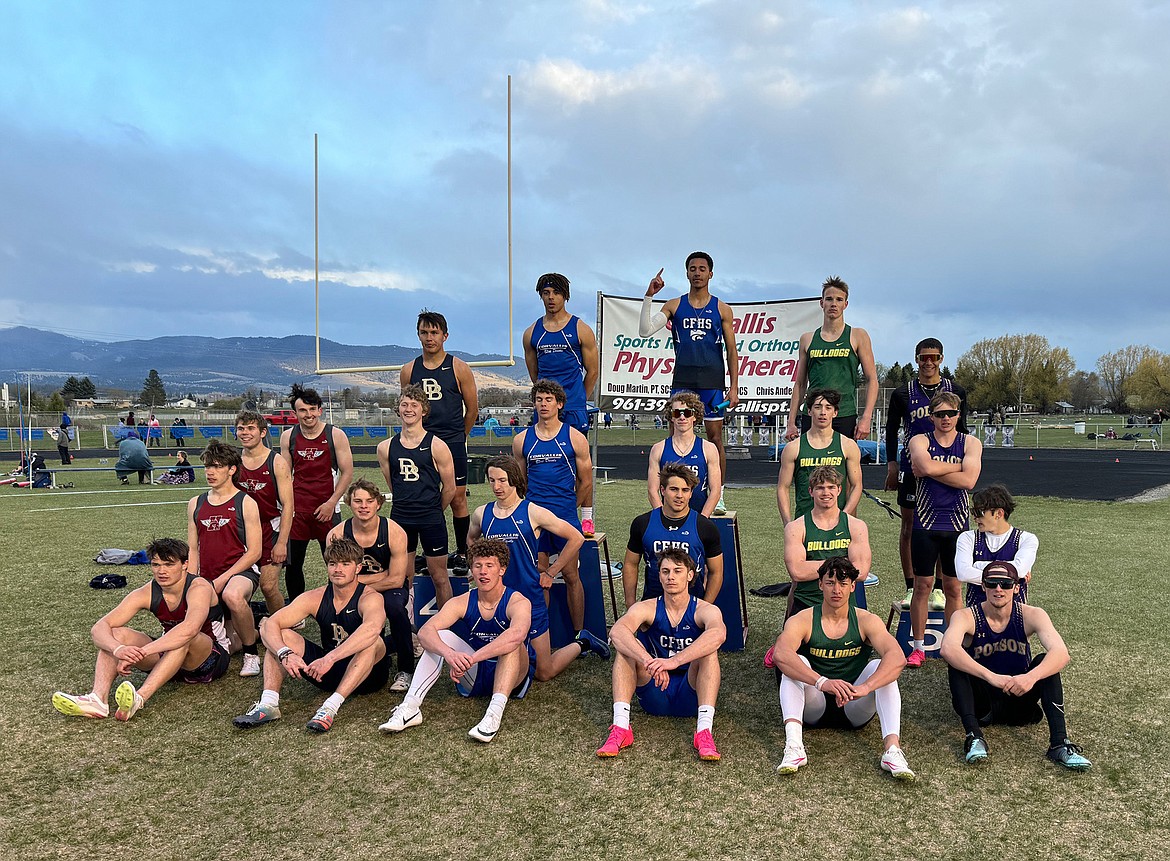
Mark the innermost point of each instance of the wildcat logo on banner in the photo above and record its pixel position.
(636, 371)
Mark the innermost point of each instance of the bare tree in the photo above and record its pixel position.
(1012, 369)
(1117, 369)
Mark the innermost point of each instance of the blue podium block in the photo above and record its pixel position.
(561, 631)
(936, 626)
(424, 596)
(732, 599)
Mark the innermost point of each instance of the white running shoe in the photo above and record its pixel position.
(83, 705)
(129, 701)
(485, 730)
(400, 720)
(251, 666)
(894, 761)
(794, 759)
(401, 681)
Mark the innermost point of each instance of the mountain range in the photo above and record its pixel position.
(209, 366)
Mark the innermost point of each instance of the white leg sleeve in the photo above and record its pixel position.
(889, 709)
(860, 712)
(429, 667)
(799, 701)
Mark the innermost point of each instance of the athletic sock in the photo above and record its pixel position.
(495, 710)
(334, 701)
(461, 525)
(270, 698)
(706, 718)
(938, 583)
(621, 715)
(249, 649)
(586, 512)
(909, 584)
(793, 733)
(918, 644)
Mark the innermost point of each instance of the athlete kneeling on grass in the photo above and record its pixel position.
(483, 636)
(193, 646)
(352, 656)
(829, 677)
(668, 653)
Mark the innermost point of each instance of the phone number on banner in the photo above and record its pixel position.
(640, 405)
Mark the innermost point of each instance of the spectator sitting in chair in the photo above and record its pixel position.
(132, 456)
(181, 473)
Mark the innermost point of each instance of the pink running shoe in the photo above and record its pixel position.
(769, 658)
(915, 658)
(705, 745)
(618, 739)
(587, 528)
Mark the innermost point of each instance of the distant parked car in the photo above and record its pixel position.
(282, 417)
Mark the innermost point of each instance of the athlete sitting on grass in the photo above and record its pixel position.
(483, 635)
(668, 653)
(193, 645)
(994, 677)
(352, 656)
(830, 675)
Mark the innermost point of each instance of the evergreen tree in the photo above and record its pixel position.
(86, 388)
(71, 389)
(154, 393)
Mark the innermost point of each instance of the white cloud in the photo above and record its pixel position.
(378, 279)
(614, 10)
(138, 267)
(571, 85)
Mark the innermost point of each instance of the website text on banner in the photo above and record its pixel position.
(636, 372)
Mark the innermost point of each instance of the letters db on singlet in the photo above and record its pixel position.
(636, 372)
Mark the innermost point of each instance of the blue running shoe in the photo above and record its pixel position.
(975, 750)
(591, 643)
(1069, 755)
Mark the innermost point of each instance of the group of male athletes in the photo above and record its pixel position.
(263, 508)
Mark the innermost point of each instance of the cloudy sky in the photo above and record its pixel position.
(972, 169)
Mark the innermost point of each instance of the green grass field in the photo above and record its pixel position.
(180, 782)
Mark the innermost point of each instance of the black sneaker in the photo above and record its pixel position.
(420, 565)
(259, 609)
(457, 562)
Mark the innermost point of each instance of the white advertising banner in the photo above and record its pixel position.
(636, 371)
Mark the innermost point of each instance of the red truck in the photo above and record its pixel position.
(282, 417)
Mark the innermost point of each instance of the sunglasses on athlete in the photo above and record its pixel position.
(929, 357)
(684, 413)
(999, 583)
(945, 414)
(839, 578)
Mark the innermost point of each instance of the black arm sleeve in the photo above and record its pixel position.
(709, 535)
(637, 530)
(897, 412)
(963, 408)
